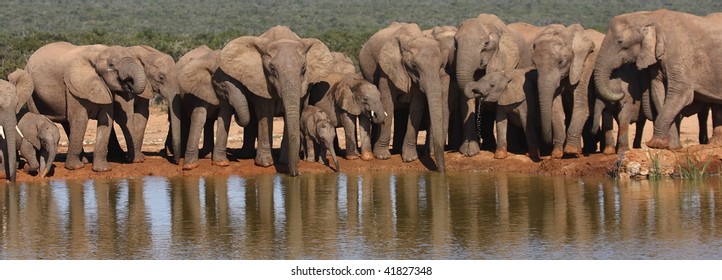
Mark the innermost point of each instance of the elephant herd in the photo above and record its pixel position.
(562, 87)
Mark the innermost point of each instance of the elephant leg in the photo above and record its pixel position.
(702, 117)
(502, 123)
(77, 123)
(309, 147)
(349, 129)
(66, 129)
(624, 119)
(416, 113)
(580, 114)
(558, 127)
(30, 156)
(140, 121)
(608, 132)
(470, 141)
(208, 142)
(639, 132)
(124, 118)
(716, 124)
(264, 113)
(364, 137)
(530, 131)
(223, 124)
(105, 126)
(381, 144)
(250, 134)
(198, 119)
(679, 95)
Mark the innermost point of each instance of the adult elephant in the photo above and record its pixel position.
(485, 44)
(683, 47)
(275, 70)
(76, 83)
(408, 70)
(208, 96)
(132, 110)
(564, 58)
(445, 36)
(12, 99)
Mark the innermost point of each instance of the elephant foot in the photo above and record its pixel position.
(221, 163)
(264, 160)
(382, 153)
(501, 154)
(716, 139)
(190, 165)
(367, 155)
(572, 150)
(138, 158)
(309, 159)
(354, 157)
(469, 148)
(101, 167)
(658, 143)
(533, 154)
(557, 153)
(622, 149)
(409, 154)
(609, 150)
(74, 164)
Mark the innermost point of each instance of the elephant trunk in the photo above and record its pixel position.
(607, 61)
(174, 115)
(240, 105)
(467, 63)
(328, 143)
(292, 104)
(8, 130)
(132, 72)
(47, 163)
(548, 85)
(432, 87)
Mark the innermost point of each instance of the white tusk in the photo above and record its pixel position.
(2, 132)
(18, 130)
(372, 114)
(385, 115)
(110, 70)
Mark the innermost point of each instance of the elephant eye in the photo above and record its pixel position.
(561, 62)
(161, 78)
(272, 69)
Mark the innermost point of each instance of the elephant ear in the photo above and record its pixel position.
(194, 76)
(23, 86)
(582, 47)
(84, 83)
(319, 60)
(391, 64)
(514, 92)
(652, 46)
(241, 59)
(506, 56)
(344, 96)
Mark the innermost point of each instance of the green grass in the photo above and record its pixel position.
(692, 167)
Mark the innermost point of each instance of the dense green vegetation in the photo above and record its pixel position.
(176, 26)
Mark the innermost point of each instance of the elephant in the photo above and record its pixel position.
(485, 44)
(10, 103)
(564, 58)
(682, 53)
(342, 63)
(76, 83)
(318, 134)
(208, 96)
(35, 133)
(515, 93)
(408, 69)
(131, 111)
(275, 70)
(344, 98)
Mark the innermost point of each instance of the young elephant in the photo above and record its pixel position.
(38, 142)
(515, 93)
(36, 134)
(344, 98)
(318, 133)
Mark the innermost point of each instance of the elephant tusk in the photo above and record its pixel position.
(385, 115)
(373, 114)
(2, 132)
(18, 130)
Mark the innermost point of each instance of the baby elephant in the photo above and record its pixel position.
(318, 133)
(515, 93)
(39, 144)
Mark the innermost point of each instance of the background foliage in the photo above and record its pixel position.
(177, 26)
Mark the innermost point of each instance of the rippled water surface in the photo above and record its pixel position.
(362, 216)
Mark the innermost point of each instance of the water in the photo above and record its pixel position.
(415, 215)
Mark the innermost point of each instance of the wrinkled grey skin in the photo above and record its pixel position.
(564, 57)
(447, 44)
(74, 84)
(318, 135)
(684, 48)
(485, 44)
(131, 110)
(346, 98)
(39, 144)
(8, 122)
(275, 70)
(208, 96)
(408, 70)
(515, 93)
